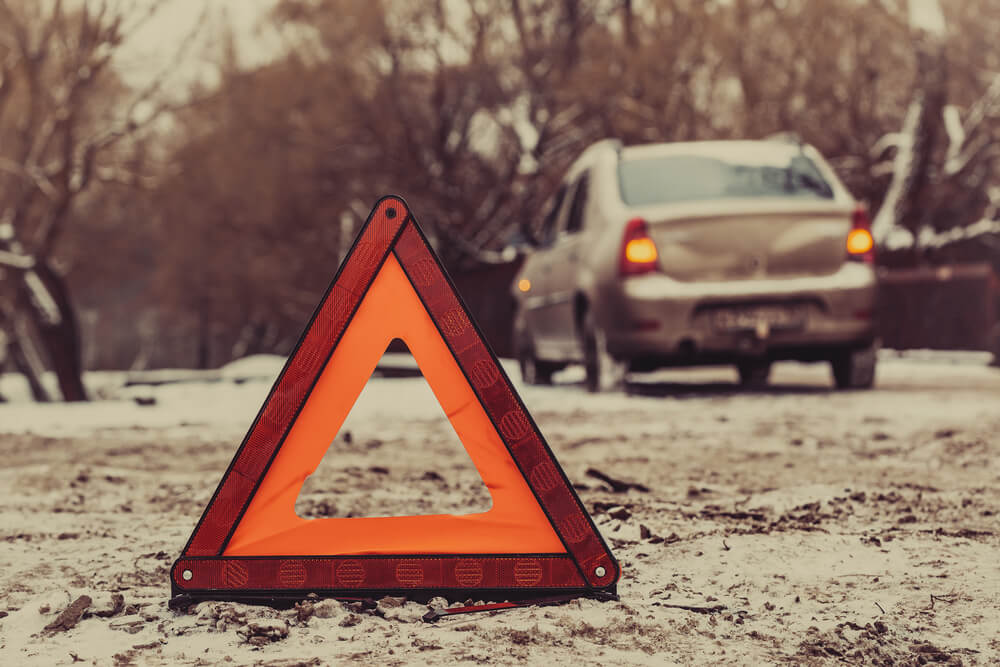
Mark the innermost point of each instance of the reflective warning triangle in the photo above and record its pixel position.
(536, 540)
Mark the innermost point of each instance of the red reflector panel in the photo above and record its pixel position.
(370, 573)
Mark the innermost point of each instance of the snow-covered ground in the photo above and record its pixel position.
(797, 524)
(222, 402)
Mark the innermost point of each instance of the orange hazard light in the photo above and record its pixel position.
(640, 251)
(536, 537)
(859, 241)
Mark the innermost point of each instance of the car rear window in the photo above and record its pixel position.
(675, 178)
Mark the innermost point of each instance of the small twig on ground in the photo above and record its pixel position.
(698, 610)
(117, 605)
(617, 485)
(880, 607)
(725, 546)
(950, 598)
(753, 516)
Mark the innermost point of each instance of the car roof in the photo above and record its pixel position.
(762, 152)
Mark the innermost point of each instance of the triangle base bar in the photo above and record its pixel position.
(296, 577)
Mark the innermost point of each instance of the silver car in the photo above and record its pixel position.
(679, 254)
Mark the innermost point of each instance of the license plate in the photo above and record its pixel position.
(752, 318)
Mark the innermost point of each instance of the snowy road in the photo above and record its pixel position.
(798, 524)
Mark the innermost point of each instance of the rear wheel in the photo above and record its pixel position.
(754, 374)
(995, 345)
(534, 371)
(855, 368)
(604, 373)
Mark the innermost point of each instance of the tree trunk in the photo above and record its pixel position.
(27, 361)
(3, 353)
(204, 338)
(58, 332)
(934, 95)
(628, 23)
(905, 203)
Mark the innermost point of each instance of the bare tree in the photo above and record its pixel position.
(916, 141)
(66, 125)
(944, 172)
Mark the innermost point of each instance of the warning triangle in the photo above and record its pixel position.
(536, 539)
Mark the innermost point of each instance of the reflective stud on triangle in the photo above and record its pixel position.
(536, 539)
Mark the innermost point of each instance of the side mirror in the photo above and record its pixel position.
(525, 238)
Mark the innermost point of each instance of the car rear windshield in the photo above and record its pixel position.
(675, 178)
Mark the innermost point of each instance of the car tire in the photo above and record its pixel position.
(533, 371)
(603, 372)
(754, 374)
(995, 346)
(855, 368)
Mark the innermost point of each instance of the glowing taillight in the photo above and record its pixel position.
(638, 250)
(860, 244)
(859, 241)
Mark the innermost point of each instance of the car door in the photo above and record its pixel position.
(534, 275)
(563, 261)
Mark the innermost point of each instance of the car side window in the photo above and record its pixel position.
(550, 223)
(574, 223)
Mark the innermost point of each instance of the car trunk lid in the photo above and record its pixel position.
(747, 240)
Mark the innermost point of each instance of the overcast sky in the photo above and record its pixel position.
(157, 45)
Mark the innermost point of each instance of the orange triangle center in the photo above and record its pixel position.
(391, 309)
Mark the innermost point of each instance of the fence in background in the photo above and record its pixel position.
(949, 307)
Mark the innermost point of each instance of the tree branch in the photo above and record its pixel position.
(16, 261)
(33, 175)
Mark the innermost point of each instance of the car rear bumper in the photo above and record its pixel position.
(656, 320)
